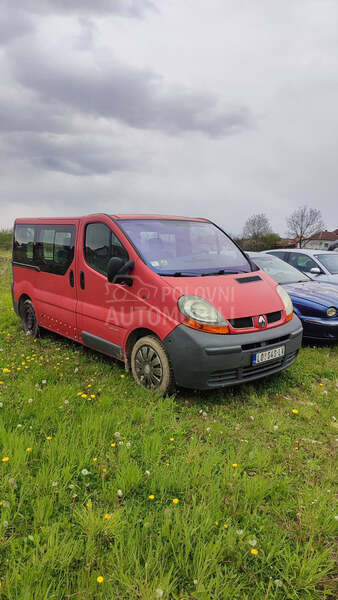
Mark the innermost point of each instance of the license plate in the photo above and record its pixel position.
(266, 355)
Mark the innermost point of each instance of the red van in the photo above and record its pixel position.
(174, 298)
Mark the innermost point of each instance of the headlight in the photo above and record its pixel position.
(202, 315)
(286, 301)
(331, 312)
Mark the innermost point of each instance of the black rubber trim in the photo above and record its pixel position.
(101, 345)
(14, 302)
(34, 267)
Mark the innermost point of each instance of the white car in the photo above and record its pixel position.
(320, 265)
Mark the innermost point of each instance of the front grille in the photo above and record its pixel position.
(274, 316)
(242, 323)
(236, 375)
(257, 344)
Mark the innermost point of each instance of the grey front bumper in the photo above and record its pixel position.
(204, 360)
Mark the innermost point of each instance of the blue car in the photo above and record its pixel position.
(316, 304)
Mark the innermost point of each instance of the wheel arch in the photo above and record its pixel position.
(135, 335)
(23, 299)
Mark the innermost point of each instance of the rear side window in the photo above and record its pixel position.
(49, 247)
(54, 248)
(280, 255)
(23, 244)
(100, 245)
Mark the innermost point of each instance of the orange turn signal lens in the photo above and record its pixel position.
(205, 327)
(289, 317)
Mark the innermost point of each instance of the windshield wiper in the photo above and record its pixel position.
(178, 274)
(221, 272)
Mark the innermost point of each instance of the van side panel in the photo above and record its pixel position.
(47, 283)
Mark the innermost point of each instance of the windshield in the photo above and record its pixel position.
(177, 247)
(330, 261)
(279, 270)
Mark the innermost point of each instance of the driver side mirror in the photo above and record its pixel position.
(117, 268)
(315, 271)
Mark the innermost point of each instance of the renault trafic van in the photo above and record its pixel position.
(174, 298)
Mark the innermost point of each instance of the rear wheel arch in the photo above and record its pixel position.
(23, 299)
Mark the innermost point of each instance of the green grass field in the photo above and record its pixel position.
(109, 493)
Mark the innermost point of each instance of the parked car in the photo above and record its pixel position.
(333, 247)
(320, 265)
(174, 298)
(316, 304)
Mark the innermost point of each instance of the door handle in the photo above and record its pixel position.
(82, 280)
(71, 278)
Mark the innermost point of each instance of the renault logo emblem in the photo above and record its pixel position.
(262, 321)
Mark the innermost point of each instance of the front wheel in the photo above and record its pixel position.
(151, 367)
(29, 320)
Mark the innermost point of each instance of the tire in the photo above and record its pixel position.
(29, 320)
(151, 367)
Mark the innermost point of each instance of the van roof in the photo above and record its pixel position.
(116, 217)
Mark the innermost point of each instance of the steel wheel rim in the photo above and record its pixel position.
(148, 367)
(29, 319)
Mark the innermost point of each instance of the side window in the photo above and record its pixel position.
(100, 245)
(54, 248)
(280, 255)
(23, 244)
(302, 262)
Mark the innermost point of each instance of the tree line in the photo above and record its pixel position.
(301, 225)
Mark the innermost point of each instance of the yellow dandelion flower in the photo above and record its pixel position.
(88, 504)
(18, 368)
(104, 470)
(175, 500)
(171, 439)
(79, 394)
(295, 411)
(83, 395)
(216, 523)
(1, 382)
(92, 396)
(5, 458)
(5, 370)
(225, 526)
(99, 579)
(95, 459)
(122, 376)
(28, 449)
(321, 384)
(107, 516)
(89, 385)
(151, 497)
(235, 465)
(1, 502)
(113, 444)
(254, 551)
(48, 437)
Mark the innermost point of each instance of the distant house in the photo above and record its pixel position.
(321, 240)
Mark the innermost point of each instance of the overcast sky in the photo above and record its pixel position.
(216, 108)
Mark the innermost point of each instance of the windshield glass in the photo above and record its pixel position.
(175, 247)
(279, 270)
(330, 261)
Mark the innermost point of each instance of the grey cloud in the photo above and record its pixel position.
(20, 112)
(134, 97)
(67, 154)
(128, 8)
(13, 24)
